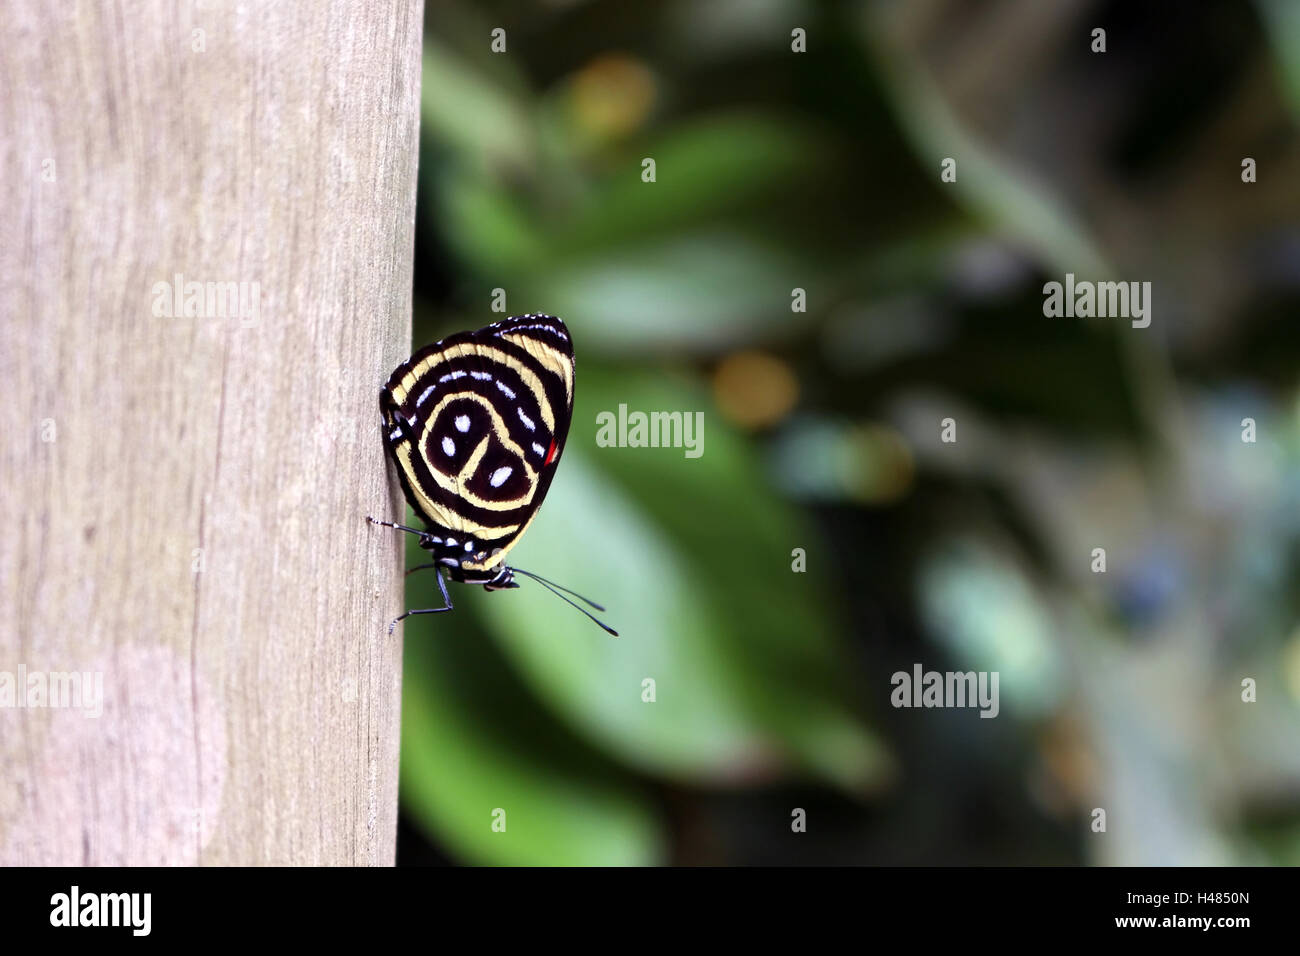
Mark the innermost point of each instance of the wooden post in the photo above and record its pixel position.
(205, 276)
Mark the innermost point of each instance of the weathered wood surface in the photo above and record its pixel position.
(182, 499)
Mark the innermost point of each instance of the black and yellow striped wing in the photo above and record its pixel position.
(476, 425)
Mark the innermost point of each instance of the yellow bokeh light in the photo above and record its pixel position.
(612, 95)
(754, 389)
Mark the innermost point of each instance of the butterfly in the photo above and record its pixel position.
(475, 425)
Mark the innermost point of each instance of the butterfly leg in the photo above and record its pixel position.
(399, 527)
(442, 586)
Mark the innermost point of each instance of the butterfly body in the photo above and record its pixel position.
(476, 425)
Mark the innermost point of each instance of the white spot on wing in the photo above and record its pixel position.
(541, 452)
(462, 423)
(541, 328)
(509, 392)
(449, 446)
(528, 422)
(500, 475)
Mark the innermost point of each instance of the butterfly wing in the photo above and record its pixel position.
(476, 424)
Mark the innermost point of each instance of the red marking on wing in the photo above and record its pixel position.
(550, 454)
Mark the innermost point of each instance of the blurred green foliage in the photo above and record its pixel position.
(820, 171)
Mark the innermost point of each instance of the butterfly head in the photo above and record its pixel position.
(505, 578)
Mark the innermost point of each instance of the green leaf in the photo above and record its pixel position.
(472, 113)
(488, 227)
(592, 538)
(692, 557)
(705, 170)
(700, 291)
(474, 740)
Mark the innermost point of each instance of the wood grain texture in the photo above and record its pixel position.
(183, 498)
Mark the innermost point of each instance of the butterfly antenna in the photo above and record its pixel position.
(556, 589)
(538, 577)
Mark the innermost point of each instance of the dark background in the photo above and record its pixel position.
(778, 170)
